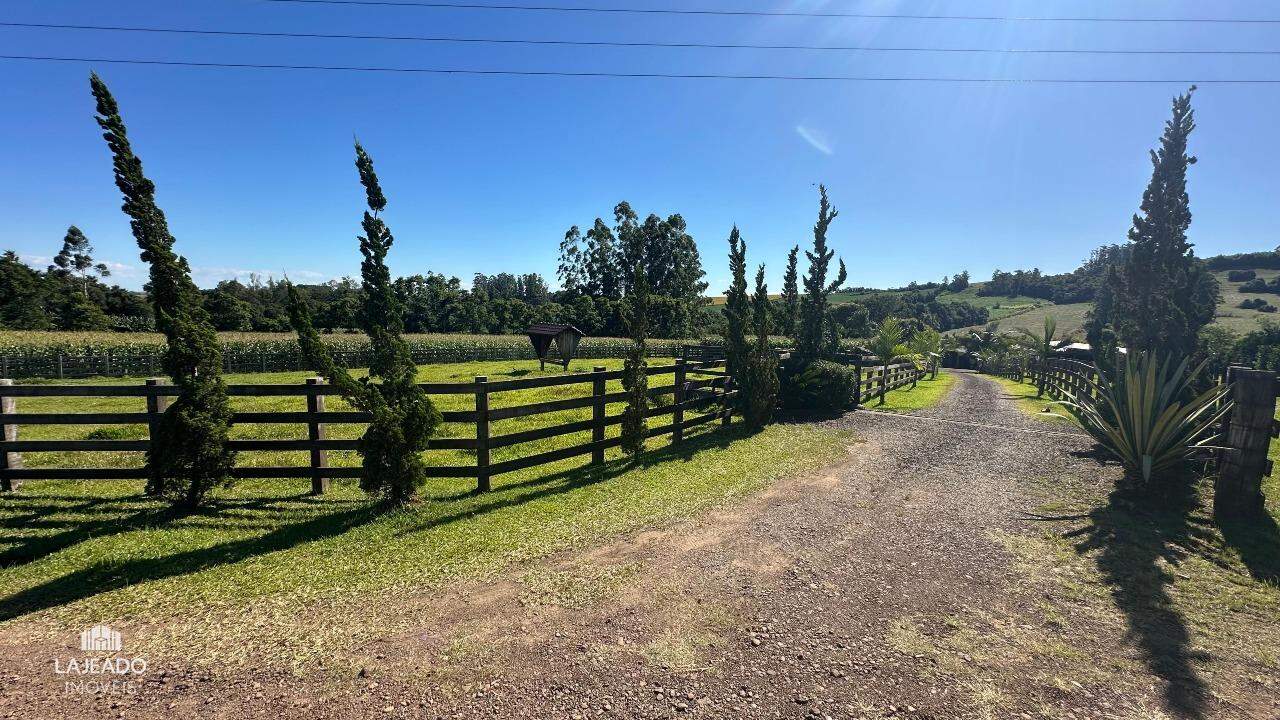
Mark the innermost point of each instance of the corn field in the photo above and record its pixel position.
(88, 354)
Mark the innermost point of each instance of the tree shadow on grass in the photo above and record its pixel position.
(1132, 540)
(106, 576)
(1257, 539)
(114, 516)
(564, 481)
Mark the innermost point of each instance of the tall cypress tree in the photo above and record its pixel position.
(1161, 295)
(812, 336)
(737, 309)
(404, 418)
(760, 377)
(634, 380)
(189, 454)
(790, 295)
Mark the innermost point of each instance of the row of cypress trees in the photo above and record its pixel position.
(189, 455)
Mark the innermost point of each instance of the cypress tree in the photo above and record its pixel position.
(634, 381)
(790, 295)
(760, 378)
(737, 309)
(404, 418)
(189, 454)
(812, 340)
(1161, 295)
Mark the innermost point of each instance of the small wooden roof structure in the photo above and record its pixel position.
(565, 337)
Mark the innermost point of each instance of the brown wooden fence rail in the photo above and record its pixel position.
(876, 381)
(697, 388)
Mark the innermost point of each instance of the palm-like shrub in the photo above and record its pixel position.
(1150, 418)
(887, 346)
(1044, 345)
(926, 343)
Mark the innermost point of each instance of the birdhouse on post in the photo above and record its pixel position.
(564, 338)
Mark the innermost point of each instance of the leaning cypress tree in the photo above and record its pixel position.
(812, 336)
(634, 380)
(790, 295)
(404, 418)
(189, 455)
(760, 377)
(1161, 295)
(737, 308)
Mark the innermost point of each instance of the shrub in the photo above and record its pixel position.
(634, 379)
(1252, 303)
(822, 386)
(1256, 285)
(760, 375)
(1241, 275)
(1149, 418)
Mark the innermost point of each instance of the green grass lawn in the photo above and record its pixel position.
(925, 394)
(287, 577)
(1044, 409)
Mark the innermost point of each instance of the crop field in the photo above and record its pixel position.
(85, 354)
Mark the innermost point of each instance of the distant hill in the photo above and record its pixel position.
(1070, 317)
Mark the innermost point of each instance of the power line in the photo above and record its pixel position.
(777, 13)
(656, 75)
(617, 43)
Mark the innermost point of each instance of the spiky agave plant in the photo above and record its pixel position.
(1144, 418)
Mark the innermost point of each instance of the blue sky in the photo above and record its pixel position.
(484, 174)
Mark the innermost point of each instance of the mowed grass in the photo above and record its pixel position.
(925, 394)
(1044, 409)
(287, 577)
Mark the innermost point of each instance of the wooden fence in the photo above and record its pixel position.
(1246, 432)
(876, 381)
(708, 393)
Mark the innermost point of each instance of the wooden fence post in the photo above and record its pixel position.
(482, 434)
(597, 414)
(9, 460)
(1238, 489)
(677, 417)
(316, 431)
(156, 405)
(857, 382)
(727, 416)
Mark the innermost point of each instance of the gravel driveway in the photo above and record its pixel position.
(788, 605)
(807, 600)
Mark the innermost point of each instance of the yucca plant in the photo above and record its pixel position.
(1150, 418)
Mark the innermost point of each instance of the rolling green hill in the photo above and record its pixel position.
(1070, 318)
